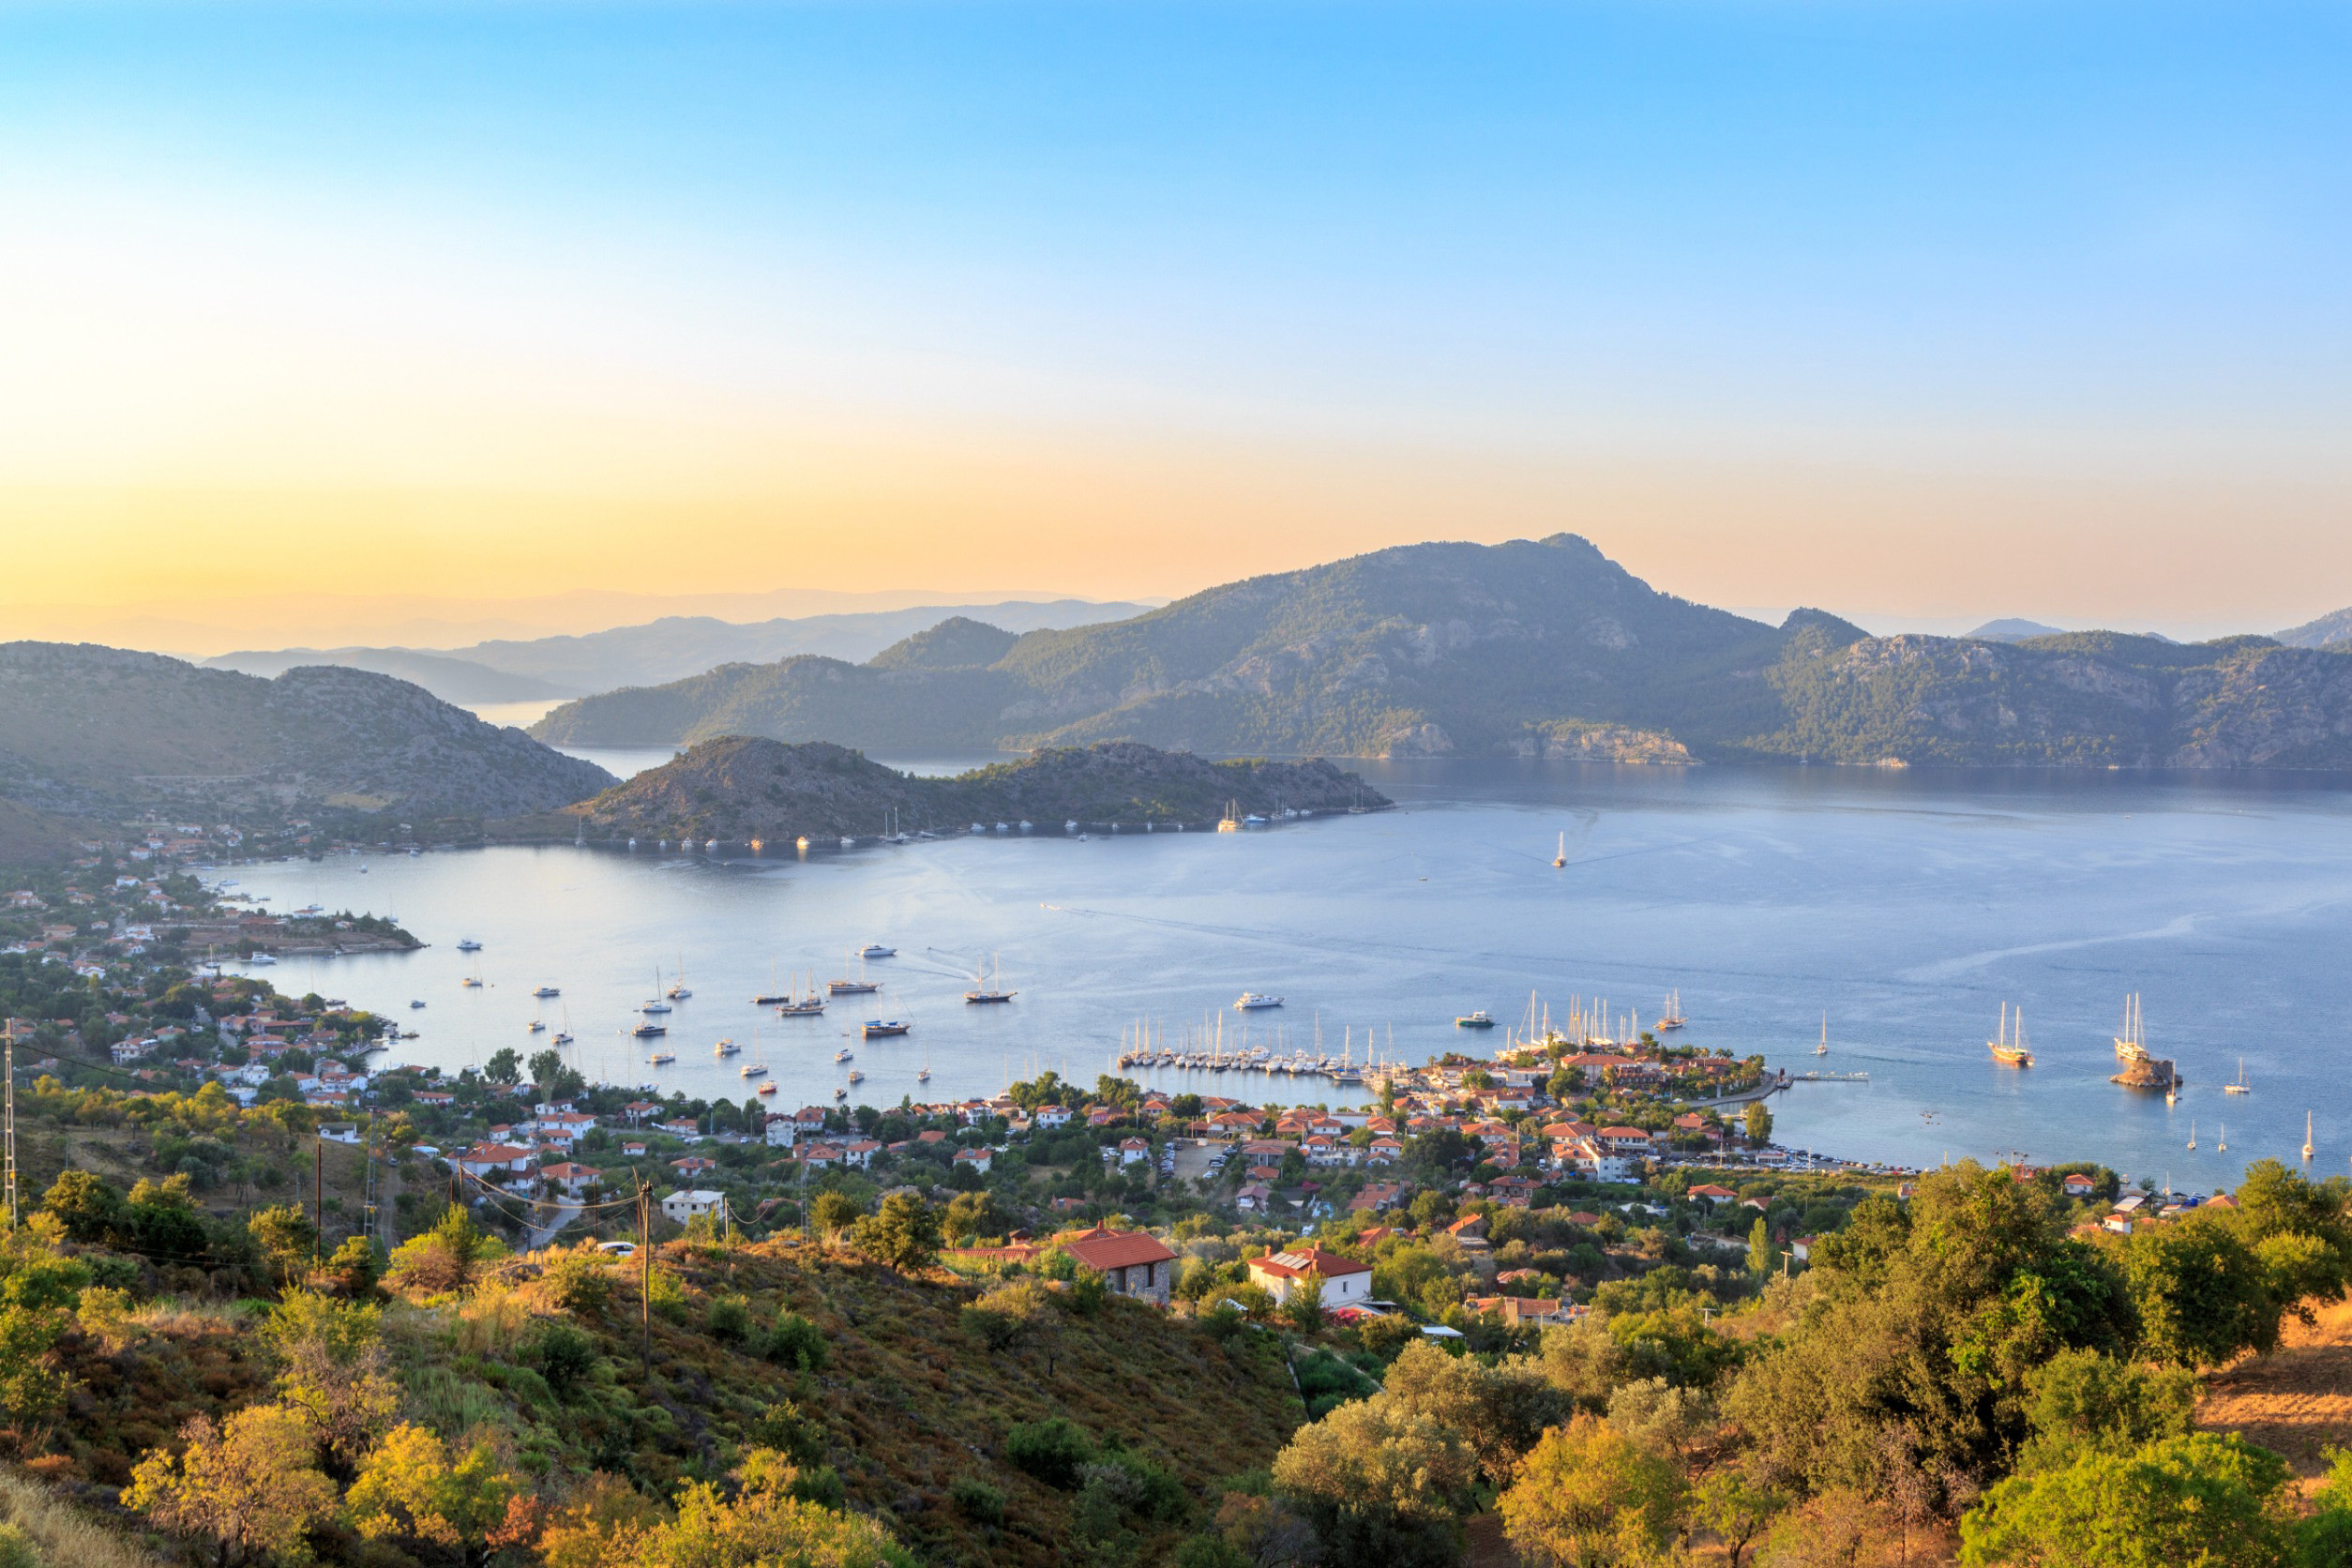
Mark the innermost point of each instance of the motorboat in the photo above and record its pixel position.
(876, 950)
(751, 1069)
(467, 945)
(649, 1030)
(853, 987)
(537, 1026)
(875, 1029)
(1252, 1002)
(765, 1089)
(656, 1006)
(842, 1055)
(416, 1004)
(725, 1047)
(546, 991)
(856, 1077)
(1480, 1020)
(662, 1057)
(840, 1093)
(1070, 826)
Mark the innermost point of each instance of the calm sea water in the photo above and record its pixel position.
(1909, 906)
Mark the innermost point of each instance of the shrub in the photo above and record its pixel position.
(1054, 1450)
(973, 1497)
(796, 1342)
(579, 1283)
(791, 1432)
(566, 1357)
(729, 1320)
(668, 1297)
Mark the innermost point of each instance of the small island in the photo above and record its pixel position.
(741, 789)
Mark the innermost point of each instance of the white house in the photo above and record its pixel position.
(684, 1206)
(490, 1159)
(1346, 1282)
(1051, 1116)
(782, 1130)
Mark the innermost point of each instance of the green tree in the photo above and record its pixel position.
(2201, 1293)
(1303, 1307)
(2084, 1402)
(89, 1209)
(247, 1487)
(413, 1488)
(1589, 1497)
(1756, 1122)
(2216, 1501)
(333, 1368)
(1010, 1315)
(1736, 1507)
(545, 1067)
(903, 1233)
(1762, 1260)
(833, 1212)
(503, 1067)
(1380, 1484)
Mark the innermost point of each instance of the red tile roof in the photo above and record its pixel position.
(1103, 1250)
(1308, 1260)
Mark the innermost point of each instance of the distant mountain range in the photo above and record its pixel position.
(658, 650)
(2328, 631)
(102, 732)
(2014, 630)
(1529, 648)
(741, 789)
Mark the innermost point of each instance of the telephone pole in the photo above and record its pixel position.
(318, 1194)
(7, 1050)
(645, 1276)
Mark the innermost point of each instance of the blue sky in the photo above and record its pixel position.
(1674, 275)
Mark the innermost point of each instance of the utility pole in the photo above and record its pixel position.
(645, 1276)
(318, 1194)
(8, 1034)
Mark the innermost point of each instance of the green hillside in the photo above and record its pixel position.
(741, 788)
(1536, 648)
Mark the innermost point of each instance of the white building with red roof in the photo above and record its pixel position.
(1346, 1282)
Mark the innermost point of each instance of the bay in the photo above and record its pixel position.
(1908, 905)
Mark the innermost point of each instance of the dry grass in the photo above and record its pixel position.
(2298, 1399)
(66, 1538)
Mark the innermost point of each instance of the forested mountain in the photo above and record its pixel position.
(2332, 630)
(740, 789)
(1531, 648)
(100, 731)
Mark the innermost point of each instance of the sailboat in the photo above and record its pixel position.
(2005, 1051)
(2131, 1044)
(2307, 1136)
(1672, 1017)
(925, 1076)
(2241, 1086)
(984, 991)
(770, 997)
(563, 1032)
(2193, 1132)
(1823, 1048)
(2221, 1144)
(473, 981)
(655, 1005)
(1559, 855)
(678, 991)
(859, 986)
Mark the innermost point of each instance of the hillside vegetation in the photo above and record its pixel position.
(1540, 648)
(100, 731)
(741, 789)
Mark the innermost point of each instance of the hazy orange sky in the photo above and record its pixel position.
(1920, 314)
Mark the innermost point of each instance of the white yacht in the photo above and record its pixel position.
(876, 950)
(1251, 1001)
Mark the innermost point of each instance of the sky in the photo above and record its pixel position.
(1921, 312)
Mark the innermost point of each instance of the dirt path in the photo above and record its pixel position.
(2295, 1400)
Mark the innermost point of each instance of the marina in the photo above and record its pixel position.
(1670, 875)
